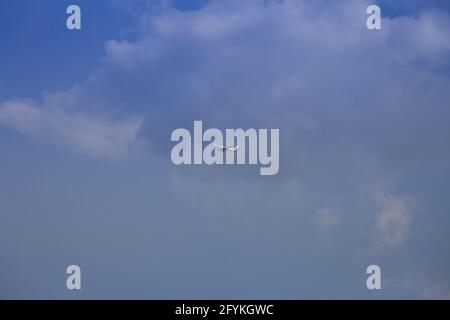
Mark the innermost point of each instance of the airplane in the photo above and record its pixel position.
(226, 148)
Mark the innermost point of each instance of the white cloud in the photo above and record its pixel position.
(304, 66)
(392, 220)
(76, 131)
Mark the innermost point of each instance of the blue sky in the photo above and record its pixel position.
(85, 170)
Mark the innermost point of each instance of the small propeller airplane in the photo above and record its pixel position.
(226, 148)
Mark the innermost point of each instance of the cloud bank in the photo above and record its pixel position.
(357, 110)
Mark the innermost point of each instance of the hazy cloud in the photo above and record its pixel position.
(421, 285)
(326, 219)
(392, 220)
